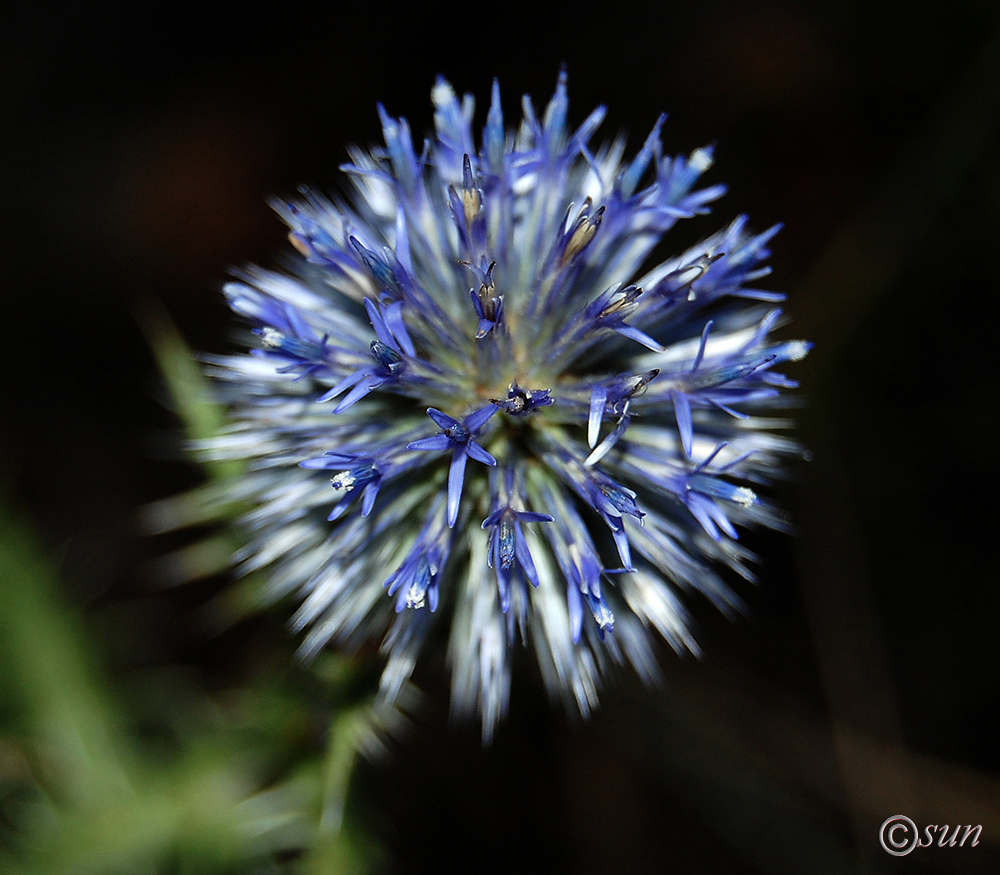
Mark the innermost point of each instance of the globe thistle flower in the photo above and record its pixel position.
(532, 436)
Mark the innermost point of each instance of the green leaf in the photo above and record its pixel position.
(190, 390)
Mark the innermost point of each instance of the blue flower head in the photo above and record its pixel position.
(489, 298)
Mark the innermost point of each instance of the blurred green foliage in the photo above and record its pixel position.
(158, 774)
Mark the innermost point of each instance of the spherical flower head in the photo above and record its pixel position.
(489, 299)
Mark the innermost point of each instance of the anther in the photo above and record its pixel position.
(583, 232)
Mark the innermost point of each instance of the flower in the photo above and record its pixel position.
(494, 303)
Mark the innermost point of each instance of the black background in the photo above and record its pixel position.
(140, 144)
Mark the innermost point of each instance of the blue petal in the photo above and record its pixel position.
(368, 498)
(494, 135)
(358, 392)
(403, 243)
(621, 542)
(456, 477)
(349, 380)
(640, 337)
(524, 555)
(493, 518)
(598, 398)
(575, 603)
(631, 177)
(442, 419)
(394, 321)
(435, 442)
(480, 455)
(528, 516)
(702, 344)
(475, 421)
(682, 410)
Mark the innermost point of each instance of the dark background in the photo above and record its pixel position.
(140, 144)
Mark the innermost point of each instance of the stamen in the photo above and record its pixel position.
(472, 200)
(583, 232)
